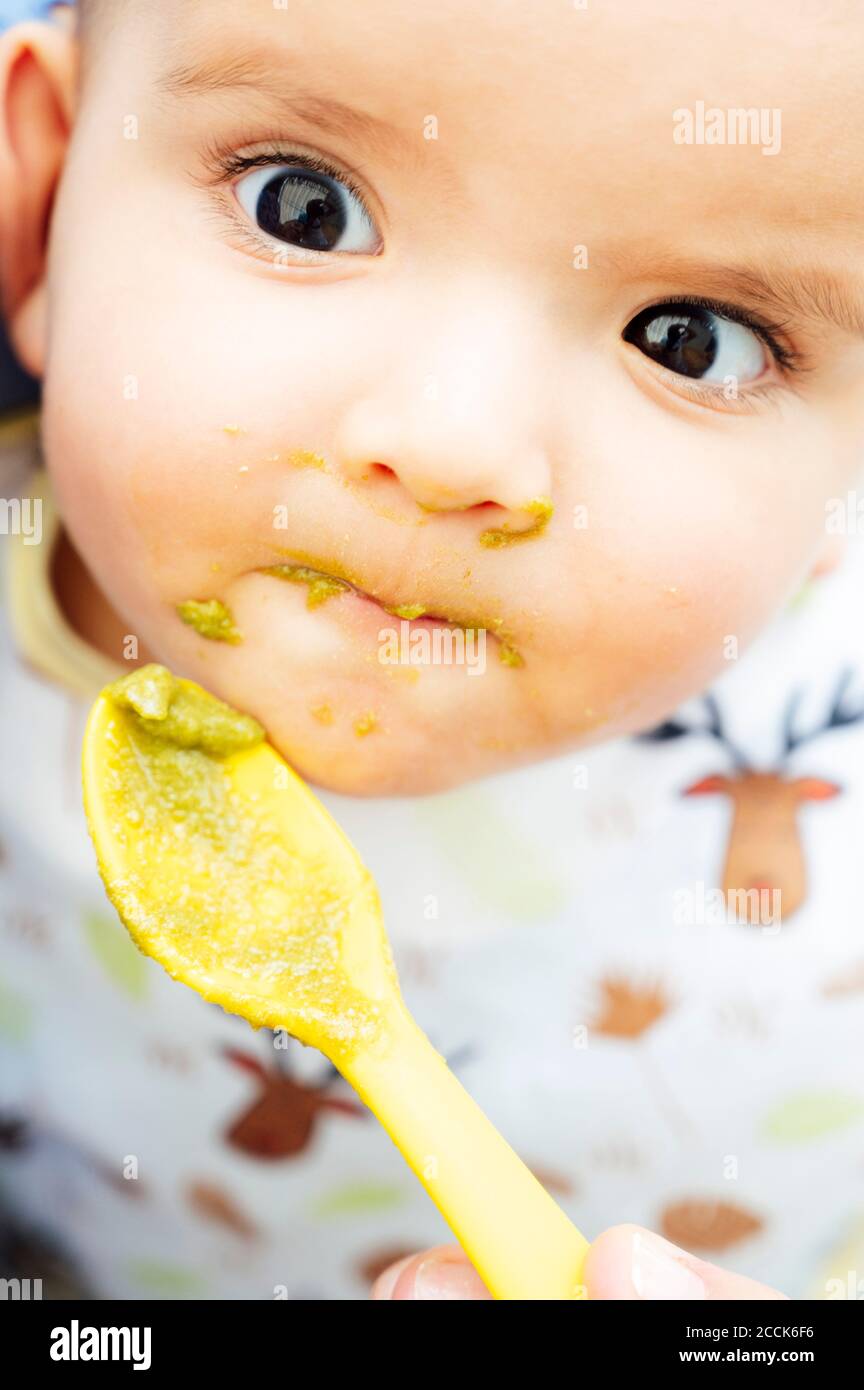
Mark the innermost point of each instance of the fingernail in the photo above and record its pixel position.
(659, 1270)
(386, 1282)
(448, 1279)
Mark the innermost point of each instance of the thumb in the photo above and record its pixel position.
(441, 1273)
(625, 1263)
(630, 1263)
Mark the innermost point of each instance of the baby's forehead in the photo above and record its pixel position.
(601, 50)
(662, 116)
(579, 73)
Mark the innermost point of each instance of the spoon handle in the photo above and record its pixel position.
(518, 1239)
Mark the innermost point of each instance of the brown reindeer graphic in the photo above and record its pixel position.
(765, 857)
(281, 1120)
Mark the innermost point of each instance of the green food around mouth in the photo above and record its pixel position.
(210, 618)
(306, 458)
(498, 537)
(509, 656)
(405, 610)
(323, 585)
(320, 586)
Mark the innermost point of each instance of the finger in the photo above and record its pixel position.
(441, 1273)
(630, 1263)
(386, 1281)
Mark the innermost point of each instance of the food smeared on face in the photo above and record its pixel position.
(509, 656)
(305, 458)
(407, 611)
(210, 618)
(320, 586)
(497, 538)
(323, 584)
(365, 724)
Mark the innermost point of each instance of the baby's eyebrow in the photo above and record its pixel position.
(261, 75)
(804, 293)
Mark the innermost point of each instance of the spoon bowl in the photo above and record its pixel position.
(231, 873)
(226, 869)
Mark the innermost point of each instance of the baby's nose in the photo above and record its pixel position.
(457, 414)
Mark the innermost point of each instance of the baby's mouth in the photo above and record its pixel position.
(323, 585)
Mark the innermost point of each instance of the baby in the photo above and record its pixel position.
(454, 388)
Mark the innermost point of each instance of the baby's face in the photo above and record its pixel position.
(371, 289)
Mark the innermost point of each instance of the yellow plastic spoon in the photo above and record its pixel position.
(227, 870)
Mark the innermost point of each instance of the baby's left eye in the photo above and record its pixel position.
(695, 341)
(306, 209)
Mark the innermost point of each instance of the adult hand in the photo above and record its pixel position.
(626, 1263)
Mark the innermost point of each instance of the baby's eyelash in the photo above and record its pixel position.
(787, 357)
(225, 165)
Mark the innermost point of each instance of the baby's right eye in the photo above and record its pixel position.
(307, 208)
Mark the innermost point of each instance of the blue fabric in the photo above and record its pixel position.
(13, 11)
(16, 387)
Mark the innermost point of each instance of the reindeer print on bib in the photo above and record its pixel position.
(764, 876)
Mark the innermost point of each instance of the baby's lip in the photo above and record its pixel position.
(332, 580)
(299, 569)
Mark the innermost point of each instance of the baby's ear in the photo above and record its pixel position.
(38, 66)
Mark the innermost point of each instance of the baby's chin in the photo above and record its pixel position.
(400, 750)
(366, 731)
(386, 767)
(349, 711)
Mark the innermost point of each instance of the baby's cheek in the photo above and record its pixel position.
(643, 618)
(193, 521)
